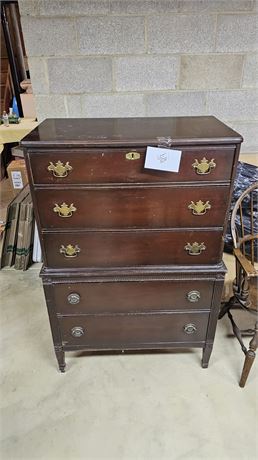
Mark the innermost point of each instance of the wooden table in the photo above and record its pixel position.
(10, 135)
(15, 132)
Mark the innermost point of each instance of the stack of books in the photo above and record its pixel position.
(18, 235)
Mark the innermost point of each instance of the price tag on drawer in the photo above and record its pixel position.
(162, 159)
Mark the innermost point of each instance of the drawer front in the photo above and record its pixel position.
(134, 248)
(133, 207)
(126, 296)
(108, 331)
(90, 166)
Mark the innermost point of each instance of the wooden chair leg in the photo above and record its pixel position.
(225, 307)
(249, 358)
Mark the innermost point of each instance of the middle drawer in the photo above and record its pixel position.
(131, 296)
(133, 207)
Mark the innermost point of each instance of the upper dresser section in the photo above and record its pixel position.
(56, 146)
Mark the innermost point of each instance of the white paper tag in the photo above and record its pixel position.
(162, 159)
(17, 179)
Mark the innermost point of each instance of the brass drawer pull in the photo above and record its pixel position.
(195, 248)
(73, 298)
(133, 156)
(199, 208)
(59, 169)
(204, 166)
(69, 250)
(77, 331)
(190, 328)
(64, 210)
(193, 296)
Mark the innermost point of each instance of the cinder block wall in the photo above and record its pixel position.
(129, 58)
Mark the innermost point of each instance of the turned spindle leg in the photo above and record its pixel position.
(249, 358)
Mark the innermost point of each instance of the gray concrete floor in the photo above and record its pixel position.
(122, 406)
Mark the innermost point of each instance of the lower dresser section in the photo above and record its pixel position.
(133, 311)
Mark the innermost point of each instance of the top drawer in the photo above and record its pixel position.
(118, 165)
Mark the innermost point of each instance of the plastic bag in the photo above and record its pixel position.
(246, 175)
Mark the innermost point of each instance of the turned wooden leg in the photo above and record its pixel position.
(249, 358)
(206, 353)
(244, 293)
(60, 356)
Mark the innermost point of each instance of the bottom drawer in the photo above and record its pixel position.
(131, 330)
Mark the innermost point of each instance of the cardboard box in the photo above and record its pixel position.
(17, 175)
(28, 105)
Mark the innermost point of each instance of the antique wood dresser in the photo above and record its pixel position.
(132, 257)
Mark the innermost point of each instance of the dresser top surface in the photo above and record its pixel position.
(130, 131)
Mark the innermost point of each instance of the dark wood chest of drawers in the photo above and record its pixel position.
(132, 256)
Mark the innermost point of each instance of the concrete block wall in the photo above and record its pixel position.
(129, 58)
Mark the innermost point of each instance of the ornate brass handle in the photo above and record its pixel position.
(199, 208)
(133, 156)
(69, 250)
(74, 298)
(77, 331)
(193, 296)
(195, 248)
(204, 166)
(190, 328)
(59, 169)
(64, 210)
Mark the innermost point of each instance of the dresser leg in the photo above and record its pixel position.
(206, 353)
(60, 356)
